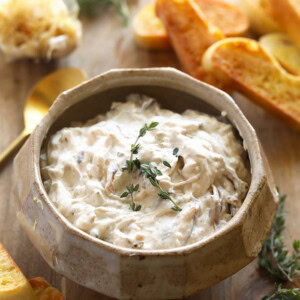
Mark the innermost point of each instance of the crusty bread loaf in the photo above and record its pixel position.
(188, 31)
(260, 19)
(250, 69)
(284, 50)
(43, 290)
(13, 284)
(287, 15)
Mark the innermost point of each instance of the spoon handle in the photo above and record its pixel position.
(14, 145)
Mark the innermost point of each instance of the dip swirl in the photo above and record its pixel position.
(82, 172)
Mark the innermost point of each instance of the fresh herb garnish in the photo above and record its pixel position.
(167, 164)
(274, 256)
(131, 163)
(175, 151)
(130, 190)
(275, 259)
(283, 294)
(92, 7)
(151, 172)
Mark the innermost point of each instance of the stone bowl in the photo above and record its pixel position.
(130, 273)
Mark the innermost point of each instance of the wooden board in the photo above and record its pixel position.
(106, 44)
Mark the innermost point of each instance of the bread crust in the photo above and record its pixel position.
(228, 18)
(287, 15)
(13, 283)
(149, 32)
(260, 19)
(43, 290)
(188, 31)
(250, 69)
(284, 50)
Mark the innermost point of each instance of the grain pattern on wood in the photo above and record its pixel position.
(106, 44)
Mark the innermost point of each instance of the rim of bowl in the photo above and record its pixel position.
(172, 79)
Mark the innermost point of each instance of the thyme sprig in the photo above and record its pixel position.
(275, 259)
(92, 7)
(284, 294)
(131, 163)
(130, 190)
(151, 172)
(274, 255)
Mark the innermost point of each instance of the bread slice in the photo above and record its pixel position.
(189, 32)
(287, 15)
(284, 50)
(249, 68)
(260, 19)
(13, 284)
(43, 290)
(228, 18)
(150, 33)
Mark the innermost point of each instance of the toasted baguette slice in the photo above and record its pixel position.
(287, 15)
(13, 284)
(254, 72)
(228, 18)
(284, 50)
(188, 31)
(43, 290)
(149, 31)
(260, 19)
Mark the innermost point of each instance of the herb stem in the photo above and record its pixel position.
(274, 257)
(163, 191)
(272, 237)
(134, 145)
(131, 200)
(131, 163)
(151, 172)
(281, 293)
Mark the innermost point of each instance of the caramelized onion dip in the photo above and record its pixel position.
(83, 172)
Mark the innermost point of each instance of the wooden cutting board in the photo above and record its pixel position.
(107, 44)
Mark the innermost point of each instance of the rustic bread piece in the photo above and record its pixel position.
(260, 19)
(287, 15)
(150, 33)
(188, 31)
(250, 69)
(43, 290)
(228, 18)
(284, 50)
(13, 284)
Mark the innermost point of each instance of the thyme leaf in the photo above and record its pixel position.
(131, 163)
(166, 164)
(275, 259)
(175, 151)
(130, 190)
(274, 256)
(151, 172)
(280, 293)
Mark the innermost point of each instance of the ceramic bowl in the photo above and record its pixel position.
(142, 274)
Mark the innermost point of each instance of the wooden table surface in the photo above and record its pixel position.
(107, 44)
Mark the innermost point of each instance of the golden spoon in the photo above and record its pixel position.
(40, 98)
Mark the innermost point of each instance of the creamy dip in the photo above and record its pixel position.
(208, 179)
